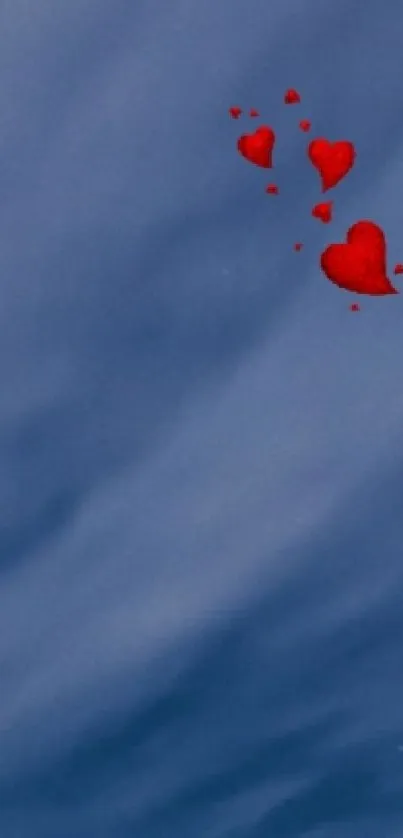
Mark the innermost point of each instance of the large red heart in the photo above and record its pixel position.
(332, 160)
(258, 147)
(359, 265)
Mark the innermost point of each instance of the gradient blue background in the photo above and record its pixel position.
(201, 482)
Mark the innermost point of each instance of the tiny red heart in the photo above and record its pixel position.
(291, 97)
(257, 148)
(332, 160)
(354, 307)
(254, 112)
(272, 189)
(398, 268)
(235, 112)
(305, 125)
(359, 264)
(323, 211)
(298, 246)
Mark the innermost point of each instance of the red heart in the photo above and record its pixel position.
(258, 147)
(360, 264)
(253, 112)
(332, 160)
(354, 307)
(398, 269)
(291, 97)
(305, 125)
(323, 211)
(235, 113)
(272, 189)
(298, 246)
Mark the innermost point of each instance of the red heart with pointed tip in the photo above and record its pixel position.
(359, 265)
(235, 112)
(305, 125)
(323, 211)
(291, 97)
(258, 147)
(253, 112)
(272, 189)
(398, 269)
(332, 160)
(298, 246)
(354, 307)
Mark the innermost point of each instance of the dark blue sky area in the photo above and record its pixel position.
(201, 446)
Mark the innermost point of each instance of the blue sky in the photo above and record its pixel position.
(191, 418)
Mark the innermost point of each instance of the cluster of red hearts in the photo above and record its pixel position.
(358, 264)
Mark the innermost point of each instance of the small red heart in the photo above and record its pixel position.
(354, 307)
(254, 112)
(332, 160)
(323, 211)
(235, 113)
(305, 125)
(398, 268)
(291, 97)
(298, 246)
(258, 147)
(359, 265)
(272, 189)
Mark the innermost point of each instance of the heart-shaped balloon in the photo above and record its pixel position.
(359, 264)
(332, 160)
(305, 125)
(323, 211)
(258, 147)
